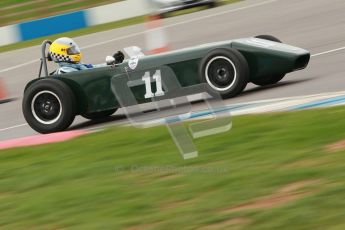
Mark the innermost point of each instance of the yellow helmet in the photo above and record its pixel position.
(65, 50)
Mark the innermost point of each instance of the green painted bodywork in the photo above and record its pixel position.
(92, 88)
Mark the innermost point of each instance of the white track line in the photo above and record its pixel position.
(220, 13)
(13, 127)
(169, 26)
(329, 51)
(143, 32)
(184, 22)
(18, 66)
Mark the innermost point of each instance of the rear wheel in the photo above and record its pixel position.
(99, 115)
(272, 79)
(49, 106)
(225, 71)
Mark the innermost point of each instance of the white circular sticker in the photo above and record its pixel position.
(133, 62)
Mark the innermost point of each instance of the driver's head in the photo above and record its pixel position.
(65, 50)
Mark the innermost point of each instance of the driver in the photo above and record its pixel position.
(66, 53)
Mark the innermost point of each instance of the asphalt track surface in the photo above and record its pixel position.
(316, 25)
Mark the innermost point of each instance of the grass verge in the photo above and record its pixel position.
(271, 171)
(15, 11)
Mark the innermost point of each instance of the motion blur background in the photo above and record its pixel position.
(282, 170)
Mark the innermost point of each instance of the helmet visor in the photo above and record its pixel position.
(73, 50)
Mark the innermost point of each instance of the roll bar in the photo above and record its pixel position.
(44, 58)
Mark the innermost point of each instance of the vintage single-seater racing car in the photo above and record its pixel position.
(51, 102)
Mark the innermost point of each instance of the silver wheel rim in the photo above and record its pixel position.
(208, 78)
(34, 113)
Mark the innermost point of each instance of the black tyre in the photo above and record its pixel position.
(49, 106)
(272, 79)
(225, 71)
(269, 38)
(99, 115)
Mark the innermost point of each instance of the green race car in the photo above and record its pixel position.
(51, 102)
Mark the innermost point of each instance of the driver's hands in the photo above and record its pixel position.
(119, 57)
(110, 60)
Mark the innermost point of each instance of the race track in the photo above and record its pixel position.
(316, 25)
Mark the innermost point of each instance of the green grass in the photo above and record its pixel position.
(100, 181)
(14, 11)
(94, 29)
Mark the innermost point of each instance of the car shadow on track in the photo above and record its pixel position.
(258, 89)
(278, 85)
(104, 121)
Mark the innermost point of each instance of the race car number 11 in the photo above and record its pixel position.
(158, 79)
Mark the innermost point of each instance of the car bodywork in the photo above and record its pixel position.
(92, 88)
(222, 69)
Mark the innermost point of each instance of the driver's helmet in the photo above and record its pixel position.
(65, 50)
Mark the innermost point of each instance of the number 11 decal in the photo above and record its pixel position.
(158, 79)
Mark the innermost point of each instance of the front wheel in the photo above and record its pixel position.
(49, 106)
(225, 71)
